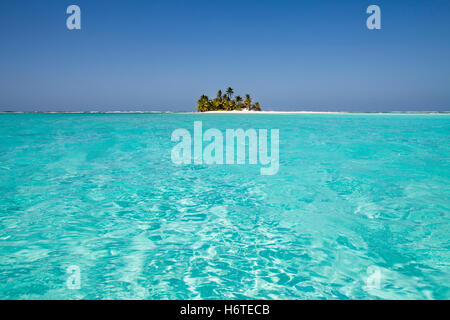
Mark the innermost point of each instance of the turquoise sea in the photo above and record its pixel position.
(354, 193)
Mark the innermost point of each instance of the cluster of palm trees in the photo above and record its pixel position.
(226, 102)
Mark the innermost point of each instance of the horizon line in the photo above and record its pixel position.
(224, 112)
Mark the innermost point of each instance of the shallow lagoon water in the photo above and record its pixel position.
(353, 193)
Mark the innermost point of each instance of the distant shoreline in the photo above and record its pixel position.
(231, 112)
(326, 112)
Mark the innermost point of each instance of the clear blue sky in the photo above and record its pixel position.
(162, 55)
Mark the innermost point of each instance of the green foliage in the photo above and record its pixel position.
(225, 102)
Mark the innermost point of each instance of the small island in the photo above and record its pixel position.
(225, 102)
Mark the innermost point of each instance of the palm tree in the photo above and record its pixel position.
(218, 104)
(238, 105)
(230, 92)
(248, 101)
(225, 102)
(230, 105)
(256, 107)
(202, 104)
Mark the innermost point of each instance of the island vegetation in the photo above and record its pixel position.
(227, 102)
